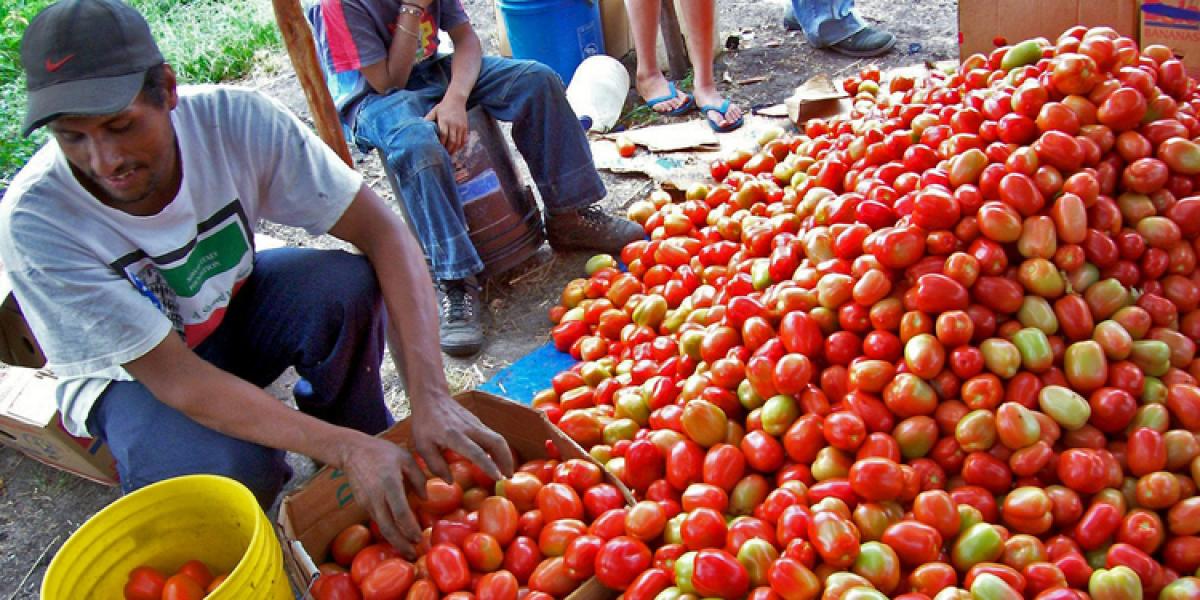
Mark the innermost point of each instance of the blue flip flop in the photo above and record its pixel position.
(721, 109)
(671, 94)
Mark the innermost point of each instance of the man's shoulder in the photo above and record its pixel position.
(216, 98)
(37, 197)
(40, 177)
(226, 111)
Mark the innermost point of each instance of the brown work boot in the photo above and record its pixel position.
(590, 228)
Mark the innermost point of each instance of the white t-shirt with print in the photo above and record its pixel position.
(100, 287)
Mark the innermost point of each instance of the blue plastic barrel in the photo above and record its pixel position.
(559, 33)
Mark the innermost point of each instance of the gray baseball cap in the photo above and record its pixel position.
(84, 57)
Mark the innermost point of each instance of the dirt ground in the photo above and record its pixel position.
(40, 507)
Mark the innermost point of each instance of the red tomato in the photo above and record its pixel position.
(448, 568)
(483, 553)
(422, 589)
(145, 583)
(620, 561)
(551, 577)
(723, 466)
(368, 558)
(500, 585)
(559, 501)
(601, 498)
(645, 520)
(338, 586)
(703, 528)
(580, 557)
(716, 574)
(182, 587)
(876, 479)
(198, 571)
(521, 558)
(440, 497)
(498, 518)
(390, 580)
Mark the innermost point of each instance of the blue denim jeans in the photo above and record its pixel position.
(827, 22)
(545, 130)
(317, 310)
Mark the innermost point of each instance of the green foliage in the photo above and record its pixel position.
(205, 41)
(641, 115)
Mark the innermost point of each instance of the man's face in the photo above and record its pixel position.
(127, 159)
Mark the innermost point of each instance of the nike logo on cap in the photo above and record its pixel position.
(54, 65)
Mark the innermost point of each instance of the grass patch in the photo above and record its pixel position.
(641, 115)
(206, 41)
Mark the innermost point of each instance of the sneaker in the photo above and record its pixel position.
(460, 332)
(866, 43)
(590, 228)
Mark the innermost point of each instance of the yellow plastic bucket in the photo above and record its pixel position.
(206, 517)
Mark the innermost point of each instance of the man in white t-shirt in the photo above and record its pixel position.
(128, 239)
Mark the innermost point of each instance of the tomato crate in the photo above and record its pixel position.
(312, 516)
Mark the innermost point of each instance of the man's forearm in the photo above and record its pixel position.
(226, 403)
(464, 70)
(403, 51)
(412, 319)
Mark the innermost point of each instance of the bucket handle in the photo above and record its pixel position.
(306, 563)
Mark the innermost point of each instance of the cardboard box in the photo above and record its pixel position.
(981, 21)
(1173, 23)
(30, 423)
(313, 515)
(17, 346)
(614, 21)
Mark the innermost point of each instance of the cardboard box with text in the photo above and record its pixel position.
(313, 515)
(982, 21)
(29, 422)
(1175, 24)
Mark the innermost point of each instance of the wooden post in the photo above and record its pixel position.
(302, 49)
(677, 56)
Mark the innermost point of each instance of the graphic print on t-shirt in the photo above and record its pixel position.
(189, 284)
(427, 37)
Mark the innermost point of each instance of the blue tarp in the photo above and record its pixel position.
(529, 375)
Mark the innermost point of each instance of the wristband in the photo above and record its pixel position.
(408, 31)
(408, 8)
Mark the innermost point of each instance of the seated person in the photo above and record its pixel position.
(395, 93)
(833, 25)
(129, 241)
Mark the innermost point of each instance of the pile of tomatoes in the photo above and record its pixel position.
(941, 348)
(192, 581)
(540, 534)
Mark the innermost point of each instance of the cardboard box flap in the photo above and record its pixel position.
(313, 515)
(27, 396)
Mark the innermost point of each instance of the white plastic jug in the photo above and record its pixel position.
(597, 92)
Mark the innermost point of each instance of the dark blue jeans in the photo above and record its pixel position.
(545, 130)
(317, 310)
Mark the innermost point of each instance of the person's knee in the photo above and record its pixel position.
(345, 276)
(539, 75)
(264, 471)
(415, 146)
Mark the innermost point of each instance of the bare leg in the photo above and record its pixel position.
(699, 23)
(643, 20)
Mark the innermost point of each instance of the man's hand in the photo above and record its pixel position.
(452, 427)
(451, 119)
(377, 469)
